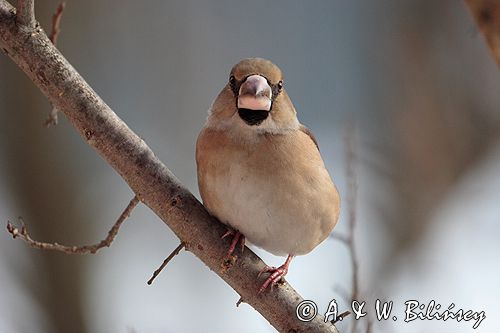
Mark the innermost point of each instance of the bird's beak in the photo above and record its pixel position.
(255, 94)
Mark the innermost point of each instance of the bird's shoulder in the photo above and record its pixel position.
(215, 145)
(307, 131)
(210, 137)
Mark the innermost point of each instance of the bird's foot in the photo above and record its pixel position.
(276, 274)
(237, 237)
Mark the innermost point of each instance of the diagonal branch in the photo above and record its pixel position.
(106, 242)
(26, 13)
(147, 176)
(487, 16)
(166, 261)
(56, 23)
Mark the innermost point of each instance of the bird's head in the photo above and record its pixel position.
(254, 100)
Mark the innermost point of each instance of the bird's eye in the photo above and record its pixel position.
(280, 85)
(232, 80)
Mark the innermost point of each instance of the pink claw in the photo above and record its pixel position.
(237, 237)
(276, 274)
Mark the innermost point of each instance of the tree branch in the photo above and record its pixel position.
(26, 13)
(106, 242)
(166, 261)
(152, 182)
(56, 23)
(352, 194)
(487, 16)
(349, 240)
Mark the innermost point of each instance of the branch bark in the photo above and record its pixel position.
(487, 16)
(146, 175)
(26, 13)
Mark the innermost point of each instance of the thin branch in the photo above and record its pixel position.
(26, 13)
(240, 300)
(352, 192)
(487, 16)
(56, 23)
(341, 316)
(52, 119)
(166, 261)
(340, 238)
(24, 235)
(369, 326)
(349, 239)
(147, 176)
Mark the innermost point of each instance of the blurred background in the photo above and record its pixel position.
(416, 78)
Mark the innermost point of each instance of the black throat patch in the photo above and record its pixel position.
(253, 117)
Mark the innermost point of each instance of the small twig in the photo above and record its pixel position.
(369, 326)
(23, 234)
(340, 238)
(352, 191)
(56, 29)
(487, 16)
(166, 261)
(341, 316)
(52, 119)
(239, 302)
(26, 13)
(56, 23)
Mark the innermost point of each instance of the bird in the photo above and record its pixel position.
(260, 171)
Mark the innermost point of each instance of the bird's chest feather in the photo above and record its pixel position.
(269, 191)
(243, 185)
(254, 199)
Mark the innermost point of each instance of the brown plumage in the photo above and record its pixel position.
(260, 171)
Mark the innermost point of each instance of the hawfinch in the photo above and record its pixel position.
(260, 171)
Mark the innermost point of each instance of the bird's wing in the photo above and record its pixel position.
(307, 131)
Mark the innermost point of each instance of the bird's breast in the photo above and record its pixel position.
(276, 191)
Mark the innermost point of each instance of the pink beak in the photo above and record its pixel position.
(255, 94)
